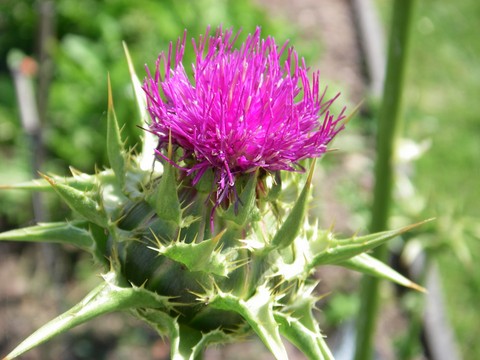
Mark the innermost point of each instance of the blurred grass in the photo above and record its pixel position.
(445, 83)
(445, 79)
(81, 53)
(441, 104)
(451, 104)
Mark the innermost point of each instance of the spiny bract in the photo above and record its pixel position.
(201, 264)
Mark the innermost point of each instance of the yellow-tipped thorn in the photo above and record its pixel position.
(169, 149)
(310, 173)
(417, 287)
(353, 113)
(47, 178)
(110, 97)
(412, 226)
(217, 237)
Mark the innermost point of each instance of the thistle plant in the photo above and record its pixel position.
(204, 234)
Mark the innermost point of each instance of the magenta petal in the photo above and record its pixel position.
(244, 108)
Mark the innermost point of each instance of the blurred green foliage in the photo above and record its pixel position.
(85, 46)
(445, 78)
(442, 107)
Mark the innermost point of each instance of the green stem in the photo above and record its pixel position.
(388, 128)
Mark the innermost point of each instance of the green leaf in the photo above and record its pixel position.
(294, 221)
(310, 343)
(206, 184)
(258, 312)
(74, 233)
(188, 338)
(115, 147)
(79, 181)
(150, 141)
(335, 251)
(32, 185)
(294, 266)
(165, 197)
(246, 208)
(164, 324)
(369, 265)
(80, 202)
(185, 343)
(299, 326)
(106, 298)
(276, 188)
(213, 337)
(205, 256)
(137, 88)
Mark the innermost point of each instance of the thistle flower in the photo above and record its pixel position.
(244, 109)
(245, 113)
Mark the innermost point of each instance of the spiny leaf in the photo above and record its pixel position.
(74, 233)
(137, 87)
(204, 256)
(310, 343)
(185, 343)
(188, 338)
(258, 312)
(182, 339)
(299, 326)
(78, 201)
(294, 221)
(212, 337)
(106, 298)
(239, 214)
(369, 265)
(79, 181)
(295, 266)
(33, 185)
(276, 188)
(165, 197)
(115, 147)
(162, 322)
(150, 141)
(335, 251)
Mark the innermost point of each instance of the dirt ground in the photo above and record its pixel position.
(329, 22)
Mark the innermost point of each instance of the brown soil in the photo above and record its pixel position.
(329, 22)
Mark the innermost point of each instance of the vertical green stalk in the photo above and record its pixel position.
(389, 125)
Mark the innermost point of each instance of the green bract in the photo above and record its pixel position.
(149, 230)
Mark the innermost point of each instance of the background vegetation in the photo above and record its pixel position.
(442, 113)
(444, 76)
(441, 110)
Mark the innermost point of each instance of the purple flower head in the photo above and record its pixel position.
(243, 109)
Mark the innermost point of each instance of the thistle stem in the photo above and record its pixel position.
(389, 125)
